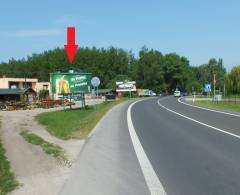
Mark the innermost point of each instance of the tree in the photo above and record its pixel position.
(112, 83)
(233, 81)
(205, 72)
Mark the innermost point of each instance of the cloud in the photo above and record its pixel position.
(33, 33)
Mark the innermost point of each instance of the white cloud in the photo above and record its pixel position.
(33, 33)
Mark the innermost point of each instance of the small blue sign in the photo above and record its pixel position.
(207, 88)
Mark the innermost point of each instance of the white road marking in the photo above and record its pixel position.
(153, 182)
(227, 113)
(199, 122)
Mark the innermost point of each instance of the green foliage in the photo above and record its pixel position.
(44, 93)
(7, 180)
(151, 69)
(112, 83)
(232, 81)
(194, 86)
(204, 73)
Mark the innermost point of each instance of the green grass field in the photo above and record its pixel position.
(7, 179)
(224, 106)
(76, 123)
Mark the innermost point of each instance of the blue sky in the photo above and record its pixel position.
(196, 29)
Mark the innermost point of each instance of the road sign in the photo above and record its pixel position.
(207, 88)
(95, 81)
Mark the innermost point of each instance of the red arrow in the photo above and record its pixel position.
(71, 47)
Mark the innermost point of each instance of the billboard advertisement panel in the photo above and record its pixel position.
(70, 83)
(122, 86)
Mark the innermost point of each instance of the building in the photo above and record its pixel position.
(15, 95)
(18, 83)
(43, 86)
(18, 89)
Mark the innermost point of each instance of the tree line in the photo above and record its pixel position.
(150, 69)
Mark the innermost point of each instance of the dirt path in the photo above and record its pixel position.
(38, 172)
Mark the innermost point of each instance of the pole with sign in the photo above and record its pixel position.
(95, 81)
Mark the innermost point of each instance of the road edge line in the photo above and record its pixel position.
(208, 109)
(154, 185)
(199, 122)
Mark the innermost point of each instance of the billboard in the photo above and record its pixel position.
(122, 86)
(70, 83)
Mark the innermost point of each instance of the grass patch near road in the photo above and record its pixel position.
(76, 123)
(49, 148)
(224, 106)
(7, 179)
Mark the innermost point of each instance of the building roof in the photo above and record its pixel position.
(16, 91)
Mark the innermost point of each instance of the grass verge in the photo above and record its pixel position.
(49, 148)
(224, 106)
(7, 179)
(75, 123)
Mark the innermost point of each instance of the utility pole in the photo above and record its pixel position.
(224, 89)
(214, 83)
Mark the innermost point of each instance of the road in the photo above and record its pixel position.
(188, 157)
(191, 151)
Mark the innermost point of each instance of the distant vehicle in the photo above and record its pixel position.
(177, 93)
(152, 94)
(184, 93)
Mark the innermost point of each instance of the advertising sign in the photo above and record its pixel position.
(122, 86)
(70, 83)
(207, 88)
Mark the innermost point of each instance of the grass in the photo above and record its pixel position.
(7, 179)
(49, 148)
(75, 123)
(224, 106)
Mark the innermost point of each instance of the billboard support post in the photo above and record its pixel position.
(95, 83)
(70, 101)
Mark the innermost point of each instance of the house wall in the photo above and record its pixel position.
(4, 82)
(43, 85)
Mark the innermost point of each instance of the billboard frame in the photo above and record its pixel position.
(70, 74)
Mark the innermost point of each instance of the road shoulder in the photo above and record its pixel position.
(108, 160)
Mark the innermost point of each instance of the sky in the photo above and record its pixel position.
(196, 29)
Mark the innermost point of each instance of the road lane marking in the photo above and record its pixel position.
(199, 122)
(154, 185)
(221, 112)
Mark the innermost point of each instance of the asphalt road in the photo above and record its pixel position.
(190, 150)
(107, 165)
(189, 158)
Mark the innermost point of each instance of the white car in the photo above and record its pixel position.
(177, 93)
